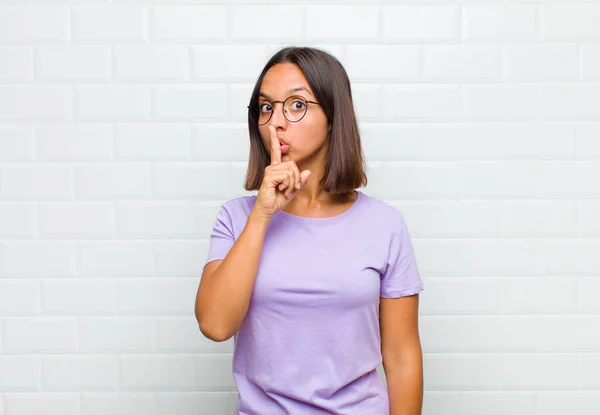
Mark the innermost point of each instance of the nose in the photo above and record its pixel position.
(277, 118)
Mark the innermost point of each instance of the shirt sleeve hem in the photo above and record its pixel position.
(213, 258)
(403, 293)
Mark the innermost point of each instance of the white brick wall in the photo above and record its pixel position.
(480, 122)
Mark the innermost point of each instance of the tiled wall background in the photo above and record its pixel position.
(122, 129)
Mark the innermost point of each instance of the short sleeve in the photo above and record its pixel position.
(222, 237)
(401, 276)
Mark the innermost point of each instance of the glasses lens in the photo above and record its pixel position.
(294, 108)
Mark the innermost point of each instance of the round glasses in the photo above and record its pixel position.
(294, 109)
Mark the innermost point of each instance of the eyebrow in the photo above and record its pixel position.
(298, 88)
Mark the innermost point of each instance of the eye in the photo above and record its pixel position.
(298, 105)
(265, 107)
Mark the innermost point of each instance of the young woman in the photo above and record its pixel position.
(317, 281)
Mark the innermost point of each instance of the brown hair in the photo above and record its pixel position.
(344, 167)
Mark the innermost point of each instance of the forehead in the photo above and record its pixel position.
(281, 78)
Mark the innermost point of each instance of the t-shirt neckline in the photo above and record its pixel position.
(331, 219)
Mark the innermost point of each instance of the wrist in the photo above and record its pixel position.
(259, 218)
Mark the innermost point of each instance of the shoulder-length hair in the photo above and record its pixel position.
(344, 166)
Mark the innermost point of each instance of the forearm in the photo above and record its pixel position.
(405, 388)
(225, 296)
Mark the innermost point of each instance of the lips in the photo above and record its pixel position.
(283, 142)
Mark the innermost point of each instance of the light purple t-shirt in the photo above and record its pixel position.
(310, 343)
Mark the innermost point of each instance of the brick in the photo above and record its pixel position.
(485, 296)
(115, 259)
(499, 102)
(419, 102)
(478, 334)
(20, 374)
(40, 335)
(29, 103)
(188, 23)
(538, 140)
(16, 64)
(156, 296)
(57, 63)
(462, 62)
(68, 297)
(152, 142)
(74, 142)
(152, 63)
(208, 141)
(123, 102)
(530, 218)
(80, 373)
(548, 295)
(394, 62)
(192, 181)
(175, 258)
(108, 23)
(422, 23)
(590, 61)
(17, 143)
(570, 22)
(18, 220)
(547, 371)
(420, 180)
(586, 137)
(228, 62)
(28, 24)
(136, 403)
(192, 103)
(569, 101)
(18, 297)
(40, 404)
(266, 23)
(469, 372)
(566, 178)
(488, 22)
(113, 181)
(542, 62)
(460, 141)
(52, 259)
(506, 179)
(488, 402)
(214, 372)
(161, 373)
(156, 219)
(570, 257)
(117, 335)
(355, 23)
(79, 220)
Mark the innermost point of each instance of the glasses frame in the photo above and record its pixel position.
(250, 108)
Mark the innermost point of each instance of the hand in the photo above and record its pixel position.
(281, 182)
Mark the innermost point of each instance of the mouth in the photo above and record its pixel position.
(284, 146)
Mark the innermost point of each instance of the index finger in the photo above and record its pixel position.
(275, 147)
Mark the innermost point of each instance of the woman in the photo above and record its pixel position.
(317, 281)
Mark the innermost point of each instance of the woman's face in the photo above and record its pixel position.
(306, 137)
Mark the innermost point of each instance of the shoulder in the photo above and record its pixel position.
(381, 211)
(238, 208)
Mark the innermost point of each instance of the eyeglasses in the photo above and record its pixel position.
(294, 109)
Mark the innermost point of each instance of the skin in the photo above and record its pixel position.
(308, 142)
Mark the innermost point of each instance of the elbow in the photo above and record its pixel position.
(212, 334)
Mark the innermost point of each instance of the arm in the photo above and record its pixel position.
(402, 355)
(226, 286)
